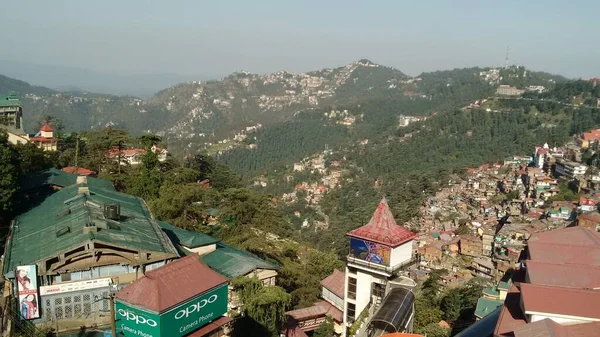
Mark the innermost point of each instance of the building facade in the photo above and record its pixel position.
(378, 253)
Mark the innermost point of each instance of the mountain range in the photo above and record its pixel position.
(196, 115)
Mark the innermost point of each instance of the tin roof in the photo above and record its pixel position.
(57, 225)
(232, 262)
(576, 236)
(46, 128)
(549, 328)
(335, 283)
(486, 306)
(56, 177)
(10, 100)
(564, 253)
(565, 301)
(563, 275)
(171, 284)
(382, 228)
(82, 171)
(186, 238)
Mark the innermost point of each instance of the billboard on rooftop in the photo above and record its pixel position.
(370, 251)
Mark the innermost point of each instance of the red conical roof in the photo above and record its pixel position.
(46, 128)
(382, 228)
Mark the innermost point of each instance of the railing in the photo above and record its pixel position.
(376, 266)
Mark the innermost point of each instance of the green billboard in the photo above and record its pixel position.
(136, 322)
(178, 321)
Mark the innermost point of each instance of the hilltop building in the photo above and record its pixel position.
(11, 120)
(374, 281)
(134, 156)
(44, 139)
(507, 90)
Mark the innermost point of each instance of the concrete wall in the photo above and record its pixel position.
(203, 250)
(17, 139)
(565, 320)
(332, 298)
(402, 253)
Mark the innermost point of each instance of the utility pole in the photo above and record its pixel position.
(76, 154)
(113, 322)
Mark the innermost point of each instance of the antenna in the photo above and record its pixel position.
(506, 60)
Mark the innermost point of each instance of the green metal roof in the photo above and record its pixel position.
(13, 101)
(491, 291)
(232, 262)
(56, 177)
(486, 306)
(504, 285)
(186, 238)
(56, 225)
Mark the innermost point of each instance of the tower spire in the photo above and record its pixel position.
(506, 59)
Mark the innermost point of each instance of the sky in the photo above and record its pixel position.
(216, 38)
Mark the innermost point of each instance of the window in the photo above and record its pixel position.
(351, 312)
(351, 288)
(378, 290)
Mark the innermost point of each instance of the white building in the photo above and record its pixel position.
(378, 252)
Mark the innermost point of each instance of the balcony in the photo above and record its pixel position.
(379, 267)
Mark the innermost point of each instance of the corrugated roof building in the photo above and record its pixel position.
(70, 231)
(559, 295)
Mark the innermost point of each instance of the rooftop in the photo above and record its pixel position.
(382, 228)
(486, 306)
(335, 283)
(186, 238)
(563, 275)
(565, 301)
(10, 100)
(563, 253)
(573, 235)
(57, 225)
(46, 128)
(171, 284)
(232, 262)
(549, 328)
(56, 177)
(82, 171)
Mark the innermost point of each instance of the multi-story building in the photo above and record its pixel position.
(11, 113)
(483, 267)
(470, 245)
(570, 169)
(379, 251)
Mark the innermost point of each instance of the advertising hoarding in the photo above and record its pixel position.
(136, 322)
(74, 286)
(370, 251)
(178, 321)
(27, 290)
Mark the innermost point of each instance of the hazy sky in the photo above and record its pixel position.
(218, 37)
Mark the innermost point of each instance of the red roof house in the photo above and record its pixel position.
(46, 128)
(382, 228)
(79, 171)
(335, 283)
(171, 284)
